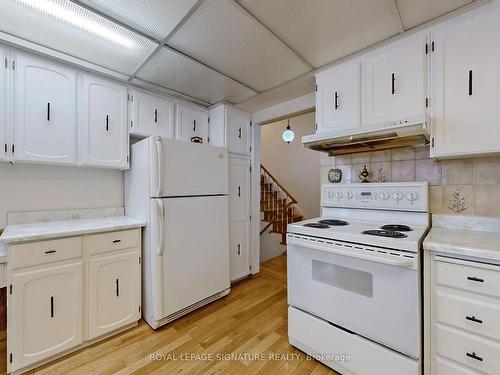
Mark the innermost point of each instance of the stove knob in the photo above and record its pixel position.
(412, 196)
(339, 195)
(397, 196)
(383, 195)
(349, 195)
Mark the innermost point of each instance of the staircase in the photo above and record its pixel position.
(277, 205)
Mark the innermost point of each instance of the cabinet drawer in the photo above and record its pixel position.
(34, 253)
(445, 367)
(104, 242)
(471, 276)
(468, 314)
(468, 349)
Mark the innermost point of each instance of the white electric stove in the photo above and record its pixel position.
(354, 285)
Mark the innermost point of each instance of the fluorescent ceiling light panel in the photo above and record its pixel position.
(69, 28)
(55, 10)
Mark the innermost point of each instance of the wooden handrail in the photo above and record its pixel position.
(292, 199)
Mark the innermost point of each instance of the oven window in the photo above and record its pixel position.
(345, 278)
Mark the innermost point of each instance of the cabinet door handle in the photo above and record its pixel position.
(475, 279)
(117, 241)
(474, 319)
(107, 123)
(117, 288)
(239, 191)
(336, 101)
(239, 133)
(48, 111)
(393, 89)
(51, 307)
(239, 249)
(156, 116)
(50, 252)
(194, 125)
(473, 355)
(470, 82)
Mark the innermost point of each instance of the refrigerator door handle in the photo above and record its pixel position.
(161, 224)
(159, 169)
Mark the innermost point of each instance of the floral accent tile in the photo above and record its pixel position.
(381, 172)
(459, 199)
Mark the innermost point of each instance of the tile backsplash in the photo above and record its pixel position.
(459, 186)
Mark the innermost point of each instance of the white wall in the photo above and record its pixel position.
(295, 167)
(25, 187)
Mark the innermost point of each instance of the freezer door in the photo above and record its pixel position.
(180, 168)
(190, 251)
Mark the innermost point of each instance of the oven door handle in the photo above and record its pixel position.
(404, 263)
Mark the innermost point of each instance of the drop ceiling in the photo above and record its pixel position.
(253, 53)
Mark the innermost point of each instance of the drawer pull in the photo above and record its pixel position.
(476, 279)
(117, 288)
(50, 252)
(117, 241)
(474, 319)
(474, 356)
(51, 307)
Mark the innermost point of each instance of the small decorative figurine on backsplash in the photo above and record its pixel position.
(458, 202)
(335, 175)
(381, 176)
(363, 176)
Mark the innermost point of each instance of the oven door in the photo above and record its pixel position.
(375, 296)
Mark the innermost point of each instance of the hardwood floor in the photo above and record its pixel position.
(250, 321)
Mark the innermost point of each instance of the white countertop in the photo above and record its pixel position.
(476, 237)
(14, 233)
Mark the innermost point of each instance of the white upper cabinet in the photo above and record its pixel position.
(338, 98)
(104, 133)
(238, 132)
(3, 102)
(151, 115)
(192, 123)
(394, 83)
(44, 110)
(466, 85)
(231, 128)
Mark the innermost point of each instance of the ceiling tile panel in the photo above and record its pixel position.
(71, 29)
(156, 18)
(222, 35)
(415, 13)
(177, 72)
(322, 31)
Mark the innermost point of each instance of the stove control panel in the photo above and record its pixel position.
(401, 196)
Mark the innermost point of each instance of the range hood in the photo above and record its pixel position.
(368, 138)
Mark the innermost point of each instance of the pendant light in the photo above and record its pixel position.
(288, 134)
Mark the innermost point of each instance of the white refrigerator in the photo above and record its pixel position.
(180, 189)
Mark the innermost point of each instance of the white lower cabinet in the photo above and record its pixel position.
(114, 292)
(45, 313)
(464, 302)
(239, 246)
(239, 217)
(48, 281)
